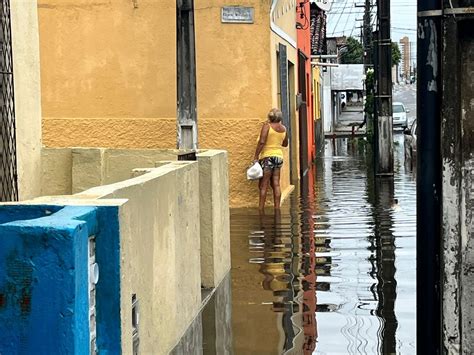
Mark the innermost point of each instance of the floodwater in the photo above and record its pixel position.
(334, 272)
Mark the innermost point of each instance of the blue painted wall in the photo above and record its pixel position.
(44, 306)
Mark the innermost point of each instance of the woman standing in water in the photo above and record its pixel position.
(270, 155)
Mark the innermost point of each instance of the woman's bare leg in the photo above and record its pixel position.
(276, 188)
(263, 185)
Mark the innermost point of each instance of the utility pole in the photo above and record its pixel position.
(445, 177)
(186, 73)
(428, 298)
(367, 33)
(384, 123)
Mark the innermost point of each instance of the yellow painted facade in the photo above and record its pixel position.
(317, 90)
(108, 72)
(109, 78)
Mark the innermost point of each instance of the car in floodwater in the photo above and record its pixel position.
(410, 135)
(400, 118)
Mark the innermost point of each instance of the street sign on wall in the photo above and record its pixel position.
(237, 14)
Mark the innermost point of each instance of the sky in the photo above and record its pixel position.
(343, 14)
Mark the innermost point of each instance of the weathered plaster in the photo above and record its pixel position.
(467, 190)
(46, 258)
(457, 201)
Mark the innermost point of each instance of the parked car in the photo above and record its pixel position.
(400, 118)
(410, 135)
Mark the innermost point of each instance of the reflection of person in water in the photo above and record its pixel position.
(279, 276)
(273, 267)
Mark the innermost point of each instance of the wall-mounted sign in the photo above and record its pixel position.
(237, 14)
(324, 5)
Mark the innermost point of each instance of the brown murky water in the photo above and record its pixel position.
(334, 272)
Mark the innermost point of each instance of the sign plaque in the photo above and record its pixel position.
(237, 14)
(324, 5)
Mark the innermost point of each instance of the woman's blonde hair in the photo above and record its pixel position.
(275, 115)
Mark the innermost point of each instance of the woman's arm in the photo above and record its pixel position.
(261, 141)
(285, 141)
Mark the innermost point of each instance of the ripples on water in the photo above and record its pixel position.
(334, 273)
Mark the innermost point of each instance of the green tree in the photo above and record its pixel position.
(354, 52)
(396, 54)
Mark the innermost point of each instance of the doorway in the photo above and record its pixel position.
(303, 113)
(286, 80)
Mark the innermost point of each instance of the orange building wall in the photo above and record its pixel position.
(304, 45)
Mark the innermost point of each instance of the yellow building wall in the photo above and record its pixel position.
(284, 18)
(317, 92)
(237, 86)
(108, 73)
(109, 79)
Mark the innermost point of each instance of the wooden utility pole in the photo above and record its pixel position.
(367, 34)
(384, 122)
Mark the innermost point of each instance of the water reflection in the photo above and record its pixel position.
(334, 272)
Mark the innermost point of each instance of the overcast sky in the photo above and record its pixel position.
(343, 14)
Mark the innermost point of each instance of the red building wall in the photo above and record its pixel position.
(304, 46)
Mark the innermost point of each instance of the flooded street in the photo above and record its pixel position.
(334, 272)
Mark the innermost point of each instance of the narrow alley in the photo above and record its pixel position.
(253, 178)
(364, 264)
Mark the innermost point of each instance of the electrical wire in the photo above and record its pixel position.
(339, 18)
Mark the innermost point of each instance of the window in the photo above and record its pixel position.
(398, 108)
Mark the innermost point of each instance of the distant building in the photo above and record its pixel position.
(405, 48)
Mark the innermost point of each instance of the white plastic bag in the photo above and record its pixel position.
(255, 171)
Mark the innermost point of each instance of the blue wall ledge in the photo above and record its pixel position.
(44, 279)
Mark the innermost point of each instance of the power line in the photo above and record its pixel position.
(345, 4)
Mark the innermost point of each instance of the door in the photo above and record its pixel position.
(8, 164)
(303, 114)
(285, 93)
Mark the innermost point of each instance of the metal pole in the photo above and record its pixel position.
(384, 130)
(428, 177)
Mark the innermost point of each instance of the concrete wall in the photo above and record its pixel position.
(457, 228)
(67, 171)
(159, 251)
(71, 170)
(215, 220)
(44, 279)
(26, 76)
(108, 73)
(162, 217)
(236, 92)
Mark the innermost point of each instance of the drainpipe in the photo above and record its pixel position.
(429, 177)
(277, 30)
